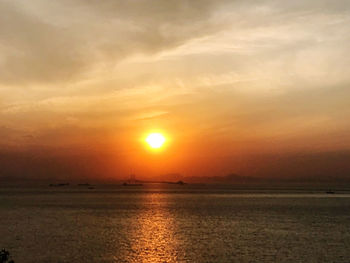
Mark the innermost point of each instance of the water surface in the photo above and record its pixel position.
(161, 223)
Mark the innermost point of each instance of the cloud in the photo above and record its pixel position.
(67, 41)
(57, 42)
(33, 50)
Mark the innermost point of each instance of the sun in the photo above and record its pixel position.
(155, 140)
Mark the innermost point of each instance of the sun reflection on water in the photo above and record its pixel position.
(153, 237)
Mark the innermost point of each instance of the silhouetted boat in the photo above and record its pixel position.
(58, 185)
(178, 182)
(132, 184)
(132, 181)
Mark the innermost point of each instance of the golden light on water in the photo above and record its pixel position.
(155, 140)
(153, 236)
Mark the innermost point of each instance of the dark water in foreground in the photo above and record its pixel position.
(174, 224)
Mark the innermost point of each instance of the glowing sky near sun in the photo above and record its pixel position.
(223, 78)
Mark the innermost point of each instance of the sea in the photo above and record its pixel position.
(174, 223)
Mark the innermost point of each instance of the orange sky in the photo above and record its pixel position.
(224, 80)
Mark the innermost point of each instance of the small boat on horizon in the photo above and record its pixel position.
(59, 185)
(132, 181)
(132, 184)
